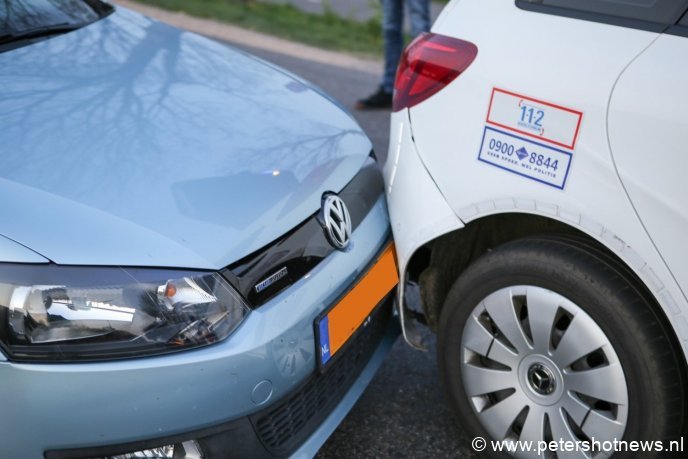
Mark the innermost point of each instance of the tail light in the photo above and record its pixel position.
(429, 64)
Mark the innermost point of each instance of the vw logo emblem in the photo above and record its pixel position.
(336, 221)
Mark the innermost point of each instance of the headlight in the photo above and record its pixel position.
(57, 313)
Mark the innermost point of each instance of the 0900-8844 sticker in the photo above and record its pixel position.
(529, 159)
(530, 137)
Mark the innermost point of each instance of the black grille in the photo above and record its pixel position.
(286, 425)
(300, 250)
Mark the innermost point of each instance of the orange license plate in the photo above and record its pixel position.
(339, 323)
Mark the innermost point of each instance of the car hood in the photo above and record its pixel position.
(129, 142)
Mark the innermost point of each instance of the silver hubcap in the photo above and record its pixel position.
(537, 367)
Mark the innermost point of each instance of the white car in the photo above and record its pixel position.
(536, 182)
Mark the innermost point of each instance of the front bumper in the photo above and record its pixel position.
(302, 420)
(72, 407)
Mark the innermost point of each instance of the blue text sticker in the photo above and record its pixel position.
(526, 158)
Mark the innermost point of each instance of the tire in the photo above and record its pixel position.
(550, 337)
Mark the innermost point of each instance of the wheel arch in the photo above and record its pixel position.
(435, 265)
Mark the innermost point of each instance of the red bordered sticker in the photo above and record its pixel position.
(534, 118)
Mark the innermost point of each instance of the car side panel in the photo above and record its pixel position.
(412, 196)
(419, 211)
(567, 62)
(648, 128)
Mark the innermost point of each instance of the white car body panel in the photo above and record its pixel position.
(410, 187)
(586, 60)
(648, 124)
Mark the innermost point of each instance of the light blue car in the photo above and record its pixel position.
(196, 253)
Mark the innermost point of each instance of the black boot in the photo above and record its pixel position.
(377, 101)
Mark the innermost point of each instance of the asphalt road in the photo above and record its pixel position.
(402, 413)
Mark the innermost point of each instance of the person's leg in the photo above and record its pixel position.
(419, 13)
(393, 34)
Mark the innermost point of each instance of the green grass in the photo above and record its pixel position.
(326, 31)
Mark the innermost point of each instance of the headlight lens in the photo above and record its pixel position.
(56, 313)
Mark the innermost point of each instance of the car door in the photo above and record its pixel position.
(648, 129)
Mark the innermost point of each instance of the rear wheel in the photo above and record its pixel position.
(550, 338)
